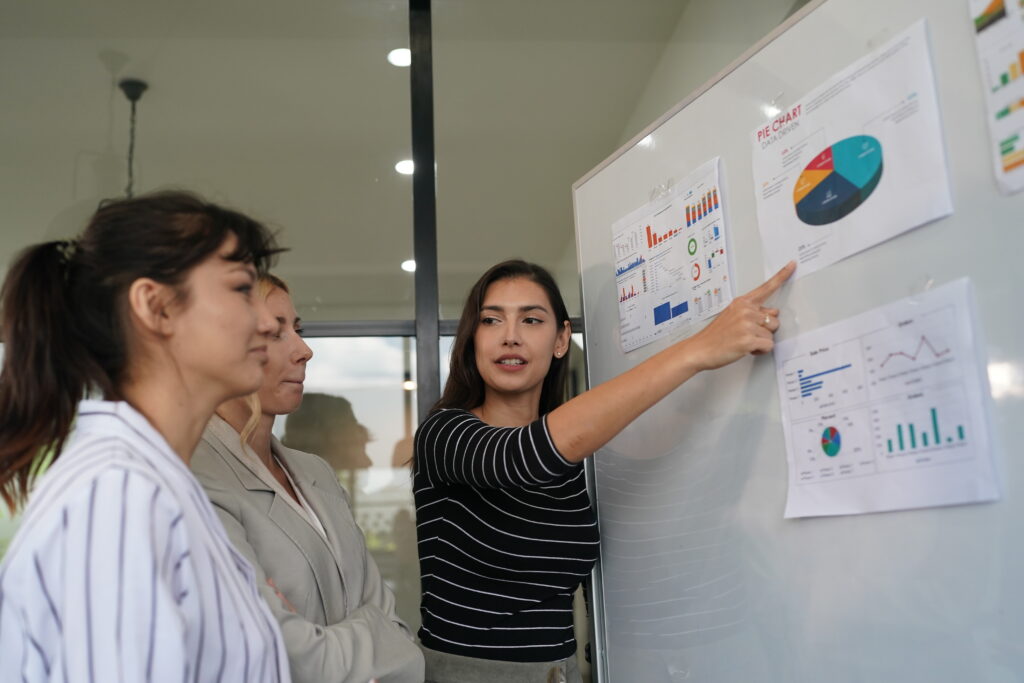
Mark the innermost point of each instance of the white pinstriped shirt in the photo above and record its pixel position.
(121, 571)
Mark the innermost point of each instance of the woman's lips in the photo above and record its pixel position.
(511, 363)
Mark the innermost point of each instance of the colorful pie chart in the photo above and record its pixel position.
(838, 180)
(831, 442)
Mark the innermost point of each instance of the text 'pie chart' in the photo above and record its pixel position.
(838, 180)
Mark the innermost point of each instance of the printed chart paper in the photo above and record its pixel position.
(999, 33)
(887, 410)
(857, 161)
(671, 259)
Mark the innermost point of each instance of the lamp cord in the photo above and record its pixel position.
(131, 155)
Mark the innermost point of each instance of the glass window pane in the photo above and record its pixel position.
(357, 415)
(293, 116)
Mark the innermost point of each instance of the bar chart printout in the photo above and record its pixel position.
(999, 38)
(671, 259)
(887, 410)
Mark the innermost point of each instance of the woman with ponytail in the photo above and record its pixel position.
(118, 347)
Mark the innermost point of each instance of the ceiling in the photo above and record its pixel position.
(290, 112)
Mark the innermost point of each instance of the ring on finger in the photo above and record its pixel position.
(767, 320)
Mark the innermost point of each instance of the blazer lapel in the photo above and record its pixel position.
(319, 500)
(280, 512)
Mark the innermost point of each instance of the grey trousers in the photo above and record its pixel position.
(446, 668)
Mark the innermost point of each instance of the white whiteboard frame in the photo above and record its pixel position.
(999, 281)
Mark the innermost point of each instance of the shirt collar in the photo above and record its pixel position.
(121, 418)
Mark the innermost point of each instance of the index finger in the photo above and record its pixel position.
(759, 294)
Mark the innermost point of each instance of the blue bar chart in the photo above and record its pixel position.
(825, 377)
(811, 383)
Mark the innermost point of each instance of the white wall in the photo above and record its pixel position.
(709, 36)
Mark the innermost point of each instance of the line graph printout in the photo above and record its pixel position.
(672, 260)
(855, 162)
(887, 410)
(998, 27)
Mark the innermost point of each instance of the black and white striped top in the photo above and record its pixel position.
(506, 534)
(121, 570)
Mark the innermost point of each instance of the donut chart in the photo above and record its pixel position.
(831, 441)
(838, 180)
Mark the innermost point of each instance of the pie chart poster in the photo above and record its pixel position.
(855, 162)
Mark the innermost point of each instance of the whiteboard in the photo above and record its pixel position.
(701, 578)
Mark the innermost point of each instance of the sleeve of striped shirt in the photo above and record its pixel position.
(100, 604)
(366, 645)
(455, 446)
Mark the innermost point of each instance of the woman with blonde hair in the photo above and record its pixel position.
(287, 514)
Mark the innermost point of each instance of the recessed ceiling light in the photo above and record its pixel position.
(647, 141)
(405, 167)
(770, 110)
(409, 266)
(400, 57)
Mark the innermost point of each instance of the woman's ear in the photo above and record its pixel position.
(563, 339)
(149, 303)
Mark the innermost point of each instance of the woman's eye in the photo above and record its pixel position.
(300, 331)
(488, 321)
(245, 289)
(533, 321)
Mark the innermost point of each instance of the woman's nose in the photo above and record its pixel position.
(266, 323)
(304, 353)
(511, 335)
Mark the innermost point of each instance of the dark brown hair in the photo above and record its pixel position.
(465, 387)
(64, 313)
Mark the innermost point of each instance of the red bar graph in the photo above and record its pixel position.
(654, 239)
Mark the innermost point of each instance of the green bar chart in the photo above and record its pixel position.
(930, 436)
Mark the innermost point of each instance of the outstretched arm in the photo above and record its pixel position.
(581, 426)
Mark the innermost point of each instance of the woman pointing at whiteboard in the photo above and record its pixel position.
(505, 528)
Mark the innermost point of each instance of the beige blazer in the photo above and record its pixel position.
(344, 627)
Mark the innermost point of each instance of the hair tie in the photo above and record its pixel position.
(67, 249)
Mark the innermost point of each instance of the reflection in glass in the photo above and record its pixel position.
(326, 425)
(359, 418)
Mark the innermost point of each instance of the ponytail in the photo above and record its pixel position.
(45, 370)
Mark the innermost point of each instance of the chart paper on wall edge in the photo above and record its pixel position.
(888, 410)
(999, 37)
(672, 260)
(857, 161)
